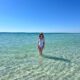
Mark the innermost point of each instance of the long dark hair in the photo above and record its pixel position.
(41, 34)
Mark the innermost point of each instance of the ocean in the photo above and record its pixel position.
(20, 59)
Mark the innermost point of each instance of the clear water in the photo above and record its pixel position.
(20, 60)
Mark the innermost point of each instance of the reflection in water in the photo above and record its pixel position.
(40, 60)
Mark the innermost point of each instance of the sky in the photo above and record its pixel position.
(40, 16)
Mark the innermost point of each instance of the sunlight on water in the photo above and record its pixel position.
(20, 60)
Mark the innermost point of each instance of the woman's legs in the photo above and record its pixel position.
(40, 50)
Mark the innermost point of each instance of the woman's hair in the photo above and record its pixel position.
(41, 34)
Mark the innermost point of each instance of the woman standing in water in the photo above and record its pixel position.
(41, 43)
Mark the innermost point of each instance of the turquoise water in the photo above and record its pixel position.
(20, 60)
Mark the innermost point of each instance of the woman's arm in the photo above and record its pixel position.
(38, 43)
(44, 43)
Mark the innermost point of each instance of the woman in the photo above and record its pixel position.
(41, 43)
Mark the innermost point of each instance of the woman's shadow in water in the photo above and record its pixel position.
(56, 58)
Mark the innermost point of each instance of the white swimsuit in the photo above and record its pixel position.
(41, 42)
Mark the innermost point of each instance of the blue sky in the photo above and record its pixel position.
(39, 15)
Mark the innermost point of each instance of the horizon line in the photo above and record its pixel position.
(39, 32)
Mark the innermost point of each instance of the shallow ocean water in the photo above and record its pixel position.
(20, 60)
